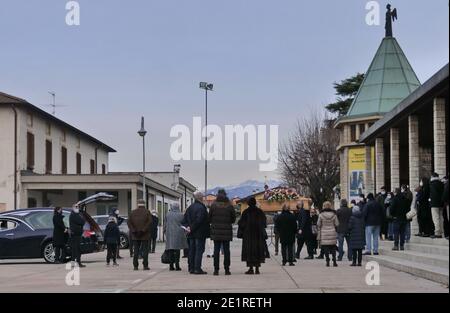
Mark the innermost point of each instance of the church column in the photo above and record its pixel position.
(344, 173)
(368, 175)
(395, 159)
(439, 137)
(379, 161)
(414, 161)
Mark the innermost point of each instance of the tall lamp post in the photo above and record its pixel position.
(142, 132)
(207, 87)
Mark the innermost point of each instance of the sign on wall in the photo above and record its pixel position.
(357, 171)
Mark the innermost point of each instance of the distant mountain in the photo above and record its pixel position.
(246, 188)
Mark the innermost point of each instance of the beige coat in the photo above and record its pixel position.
(327, 223)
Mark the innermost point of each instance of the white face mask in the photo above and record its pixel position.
(421, 184)
(116, 212)
(383, 192)
(76, 210)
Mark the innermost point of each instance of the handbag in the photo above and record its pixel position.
(165, 257)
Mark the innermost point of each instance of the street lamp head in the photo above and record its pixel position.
(142, 132)
(206, 86)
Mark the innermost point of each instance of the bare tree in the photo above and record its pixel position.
(309, 160)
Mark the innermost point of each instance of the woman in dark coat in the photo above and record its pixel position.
(356, 229)
(59, 236)
(252, 231)
(424, 218)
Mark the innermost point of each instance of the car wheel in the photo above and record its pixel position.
(49, 252)
(124, 242)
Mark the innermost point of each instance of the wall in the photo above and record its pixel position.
(6, 158)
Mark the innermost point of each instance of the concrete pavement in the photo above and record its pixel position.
(306, 276)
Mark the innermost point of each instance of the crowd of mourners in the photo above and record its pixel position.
(361, 224)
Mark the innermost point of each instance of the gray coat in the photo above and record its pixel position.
(175, 235)
(327, 224)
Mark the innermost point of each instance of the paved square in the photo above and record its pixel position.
(306, 276)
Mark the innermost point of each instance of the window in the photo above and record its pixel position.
(63, 136)
(160, 212)
(48, 157)
(6, 225)
(78, 142)
(63, 160)
(103, 169)
(352, 133)
(78, 163)
(362, 129)
(92, 167)
(30, 151)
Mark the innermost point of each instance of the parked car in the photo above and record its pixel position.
(28, 233)
(102, 221)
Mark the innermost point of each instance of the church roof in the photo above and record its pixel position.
(389, 79)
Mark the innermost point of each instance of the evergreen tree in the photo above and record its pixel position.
(346, 91)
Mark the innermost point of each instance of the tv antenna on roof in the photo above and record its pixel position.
(53, 104)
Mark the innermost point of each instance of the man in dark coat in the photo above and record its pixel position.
(344, 213)
(197, 222)
(76, 223)
(399, 209)
(116, 214)
(287, 226)
(357, 235)
(222, 217)
(381, 199)
(437, 206)
(276, 232)
(304, 233)
(59, 236)
(252, 226)
(373, 214)
(153, 231)
(139, 224)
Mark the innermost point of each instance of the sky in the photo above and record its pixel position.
(271, 62)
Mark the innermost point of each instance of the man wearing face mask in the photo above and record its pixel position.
(76, 223)
(115, 213)
(59, 236)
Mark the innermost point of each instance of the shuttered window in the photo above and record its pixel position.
(30, 151)
(48, 157)
(103, 169)
(92, 166)
(63, 160)
(78, 163)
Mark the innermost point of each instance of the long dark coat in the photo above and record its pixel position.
(222, 217)
(356, 229)
(305, 224)
(196, 217)
(287, 226)
(252, 226)
(59, 235)
(139, 224)
(154, 227)
(76, 223)
(436, 192)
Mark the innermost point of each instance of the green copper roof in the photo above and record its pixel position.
(389, 79)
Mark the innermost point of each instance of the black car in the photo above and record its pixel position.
(27, 233)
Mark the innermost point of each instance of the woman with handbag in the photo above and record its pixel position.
(327, 236)
(175, 237)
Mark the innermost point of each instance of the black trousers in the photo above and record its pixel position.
(111, 252)
(174, 258)
(357, 254)
(152, 245)
(75, 242)
(287, 252)
(425, 220)
(301, 241)
(60, 253)
(218, 245)
(329, 250)
(140, 247)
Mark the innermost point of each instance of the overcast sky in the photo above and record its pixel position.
(271, 62)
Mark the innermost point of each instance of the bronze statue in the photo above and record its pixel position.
(391, 16)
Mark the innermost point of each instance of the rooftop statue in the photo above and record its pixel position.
(391, 16)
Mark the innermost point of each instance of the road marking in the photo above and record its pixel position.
(137, 281)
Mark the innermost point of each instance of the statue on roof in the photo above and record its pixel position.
(391, 16)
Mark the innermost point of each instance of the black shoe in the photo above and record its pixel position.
(146, 268)
(359, 264)
(395, 248)
(328, 264)
(119, 257)
(295, 260)
(135, 269)
(335, 264)
(200, 273)
(227, 272)
(353, 264)
(376, 253)
(257, 271)
(81, 265)
(172, 269)
(339, 259)
(309, 258)
(284, 263)
(216, 273)
(320, 257)
(250, 272)
(402, 248)
(291, 264)
(297, 256)
(367, 253)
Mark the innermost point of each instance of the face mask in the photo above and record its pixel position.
(76, 210)
(383, 192)
(116, 212)
(421, 184)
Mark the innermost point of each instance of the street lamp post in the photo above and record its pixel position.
(142, 132)
(207, 87)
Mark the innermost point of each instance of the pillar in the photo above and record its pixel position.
(368, 175)
(439, 137)
(414, 161)
(344, 174)
(395, 159)
(379, 164)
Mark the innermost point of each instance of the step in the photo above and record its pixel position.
(429, 241)
(418, 257)
(433, 273)
(419, 247)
